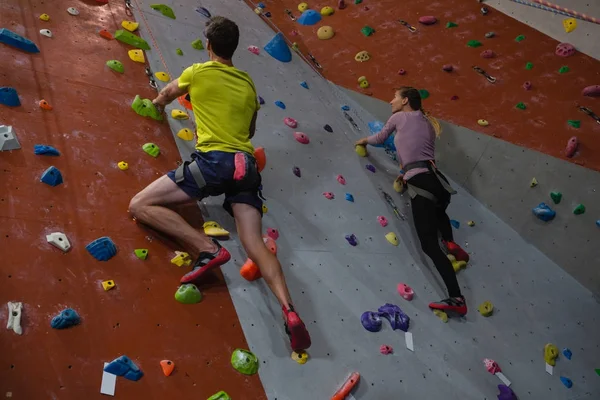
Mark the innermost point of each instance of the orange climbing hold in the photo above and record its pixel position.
(261, 158)
(250, 271)
(344, 391)
(185, 102)
(44, 105)
(106, 34)
(167, 367)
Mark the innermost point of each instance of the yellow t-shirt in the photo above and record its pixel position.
(224, 101)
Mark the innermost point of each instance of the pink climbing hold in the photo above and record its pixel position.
(592, 91)
(382, 221)
(565, 50)
(455, 97)
(273, 233)
(401, 72)
(291, 122)
(428, 20)
(253, 50)
(492, 366)
(405, 291)
(572, 145)
(385, 349)
(294, 33)
(448, 67)
(488, 54)
(366, 8)
(341, 4)
(329, 195)
(341, 180)
(527, 85)
(301, 137)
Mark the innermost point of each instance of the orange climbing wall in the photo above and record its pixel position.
(552, 101)
(94, 128)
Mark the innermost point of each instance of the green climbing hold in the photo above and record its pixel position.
(474, 43)
(151, 149)
(179, 52)
(563, 69)
(164, 10)
(357, 1)
(367, 30)
(131, 39)
(451, 25)
(197, 44)
(556, 197)
(244, 362)
(529, 65)
(145, 108)
(115, 65)
(520, 38)
(575, 123)
(597, 371)
(580, 209)
(188, 294)
(219, 396)
(424, 93)
(521, 106)
(141, 253)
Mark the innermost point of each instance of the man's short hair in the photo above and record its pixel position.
(223, 35)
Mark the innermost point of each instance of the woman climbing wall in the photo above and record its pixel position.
(429, 190)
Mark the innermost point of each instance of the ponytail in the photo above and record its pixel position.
(434, 122)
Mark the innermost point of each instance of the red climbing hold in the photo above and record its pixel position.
(572, 145)
(488, 54)
(401, 72)
(341, 180)
(592, 91)
(448, 67)
(455, 97)
(260, 157)
(428, 20)
(106, 34)
(341, 5)
(527, 85)
(301, 137)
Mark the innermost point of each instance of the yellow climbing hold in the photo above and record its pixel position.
(137, 55)
(123, 166)
(107, 285)
(264, 208)
(258, 11)
(471, 223)
(392, 238)
(361, 150)
(569, 24)
(456, 265)
(302, 7)
(482, 122)
(130, 25)
(362, 81)
(178, 114)
(533, 183)
(486, 308)
(325, 32)
(301, 357)
(327, 11)
(211, 228)
(362, 56)
(45, 17)
(295, 46)
(185, 134)
(441, 315)
(181, 259)
(399, 184)
(163, 76)
(550, 354)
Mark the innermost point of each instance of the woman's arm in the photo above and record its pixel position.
(384, 133)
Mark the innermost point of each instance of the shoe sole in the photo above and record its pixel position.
(298, 330)
(450, 312)
(215, 263)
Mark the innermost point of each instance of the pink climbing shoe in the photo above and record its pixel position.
(457, 251)
(452, 305)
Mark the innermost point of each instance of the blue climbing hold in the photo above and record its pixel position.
(349, 197)
(309, 17)
(598, 223)
(52, 177)
(345, 108)
(45, 150)
(13, 39)
(543, 212)
(102, 249)
(9, 97)
(280, 104)
(67, 317)
(567, 382)
(123, 366)
(203, 11)
(304, 84)
(455, 223)
(375, 127)
(567, 353)
(261, 5)
(278, 48)
(261, 101)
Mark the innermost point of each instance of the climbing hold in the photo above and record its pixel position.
(142, 254)
(12, 39)
(291, 122)
(580, 209)
(45, 17)
(544, 212)
(382, 220)
(401, 72)
(550, 354)
(131, 26)
(520, 38)
(261, 101)
(385, 349)
(456, 265)
(52, 177)
(367, 30)
(533, 182)
(203, 11)
(219, 396)
(567, 353)
(474, 43)
(506, 393)
(398, 185)
(567, 382)
(107, 285)
(591, 91)
(188, 294)
(363, 83)
(455, 97)
(46, 32)
(72, 11)
(273, 233)
(448, 67)
(405, 291)
(570, 24)
(471, 223)
(427, 20)
(268, 14)
(371, 321)
(309, 17)
(529, 65)
(250, 271)
(151, 149)
(66, 318)
(301, 137)
(254, 50)
(178, 114)
(491, 366)
(45, 150)
(484, 10)
(325, 32)
(164, 10)
(327, 11)
(527, 85)
(280, 104)
(137, 55)
(260, 157)
(123, 366)
(179, 51)
(455, 224)
(521, 106)
(486, 308)
(131, 39)
(424, 93)
(167, 367)
(441, 315)
(261, 5)
(564, 50)
(341, 5)
(145, 108)
(482, 122)
(370, 168)
(349, 197)
(302, 7)
(357, 1)
(296, 171)
(574, 123)
(244, 362)
(362, 56)
(304, 84)
(213, 229)
(115, 65)
(197, 44)
(345, 108)
(102, 249)
(392, 238)
(59, 240)
(341, 180)
(397, 318)
(44, 105)
(301, 357)
(352, 240)
(123, 166)
(556, 197)
(451, 25)
(490, 35)
(488, 54)
(361, 150)
(572, 146)
(162, 76)
(181, 259)
(106, 34)
(328, 128)
(329, 195)
(14, 317)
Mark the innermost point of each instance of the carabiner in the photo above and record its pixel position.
(589, 112)
(314, 60)
(490, 78)
(406, 24)
(289, 13)
(128, 8)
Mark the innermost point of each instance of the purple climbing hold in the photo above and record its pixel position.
(398, 319)
(352, 239)
(261, 100)
(328, 128)
(488, 54)
(448, 67)
(591, 91)
(370, 167)
(203, 11)
(371, 321)
(280, 104)
(565, 50)
(527, 85)
(297, 172)
(401, 72)
(455, 97)
(427, 20)
(506, 393)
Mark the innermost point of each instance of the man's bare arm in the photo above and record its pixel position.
(169, 93)
(253, 125)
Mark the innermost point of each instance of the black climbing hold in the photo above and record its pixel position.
(328, 128)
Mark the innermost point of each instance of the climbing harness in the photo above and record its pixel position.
(314, 60)
(411, 28)
(194, 170)
(289, 14)
(151, 79)
(128, 9)
(414, 191)
(349, 118)
(482, 72)
(391, 203)
(590, 113)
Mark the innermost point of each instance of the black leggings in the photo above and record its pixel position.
(430, 218)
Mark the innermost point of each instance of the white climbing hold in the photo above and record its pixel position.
(59, 240)
(46, 32)
(14, 317)
(73, 11)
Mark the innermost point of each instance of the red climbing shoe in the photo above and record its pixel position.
(457, 251)
(452, 305)
(296, 330)
(205, 262)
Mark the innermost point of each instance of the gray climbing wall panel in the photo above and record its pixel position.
(333, 283)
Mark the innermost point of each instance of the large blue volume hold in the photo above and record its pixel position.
(102, 249)
(9, 97)
(309, 17)
(67, 317)
(278, 48)
(543, 212)
(13, 39)
(45, 150)
(52, 177)
(375, 127)
(123, 366)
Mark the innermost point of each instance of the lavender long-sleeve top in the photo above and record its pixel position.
(414, 139)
